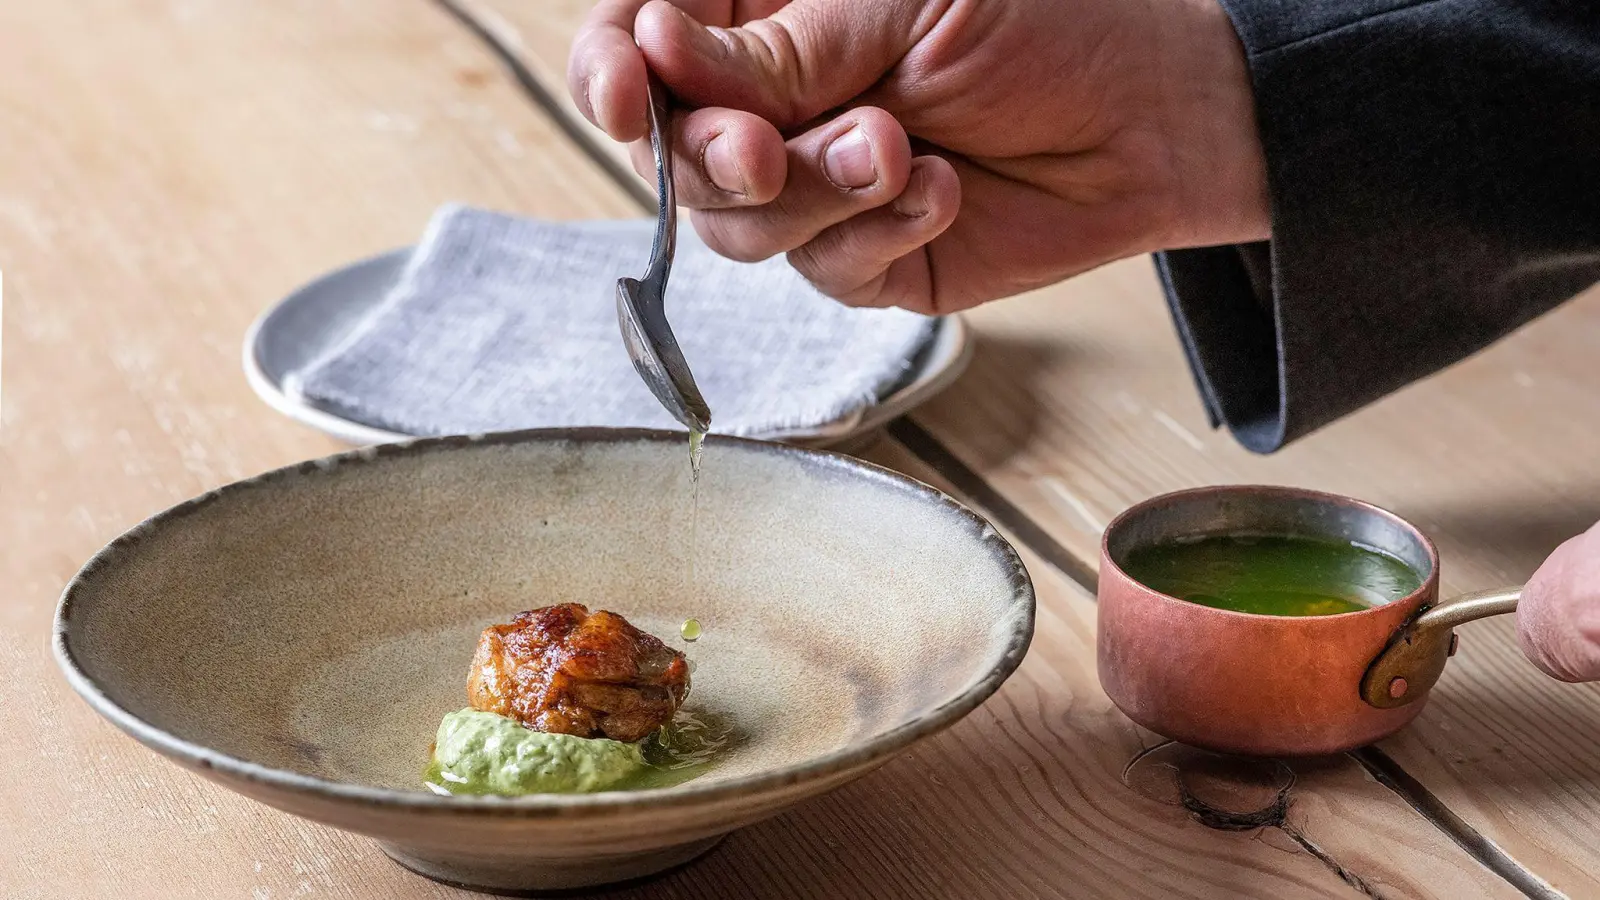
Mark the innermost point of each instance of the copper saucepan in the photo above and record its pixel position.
(1274, 685)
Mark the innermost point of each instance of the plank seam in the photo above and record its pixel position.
(1386, 771)
(924, 446)
(1382, 767)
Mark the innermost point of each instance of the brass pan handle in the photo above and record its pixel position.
(1416, 655)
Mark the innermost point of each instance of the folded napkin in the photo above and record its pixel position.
(500, 323)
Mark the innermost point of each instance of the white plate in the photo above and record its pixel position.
(314, 317)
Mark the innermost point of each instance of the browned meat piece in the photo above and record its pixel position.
(563, 669)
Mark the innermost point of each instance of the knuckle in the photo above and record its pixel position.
(776, 50)
(835, 265)
(733, 237)
(814, 266)
(870, 295)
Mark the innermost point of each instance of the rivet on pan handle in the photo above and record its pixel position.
(1416, 655)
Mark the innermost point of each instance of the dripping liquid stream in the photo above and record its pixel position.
(691, 627)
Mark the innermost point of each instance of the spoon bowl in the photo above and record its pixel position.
(655, 353)
(641, 304)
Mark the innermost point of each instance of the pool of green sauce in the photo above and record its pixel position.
(1273, 576)
(688, 747)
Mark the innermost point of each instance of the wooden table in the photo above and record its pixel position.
(169, 168)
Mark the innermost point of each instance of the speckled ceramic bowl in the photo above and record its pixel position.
(297, 636)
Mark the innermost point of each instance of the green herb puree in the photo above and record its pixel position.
(483, 753)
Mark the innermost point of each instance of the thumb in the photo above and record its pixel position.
(1558, 618)
(806, 58)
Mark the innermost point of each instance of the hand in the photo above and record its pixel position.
(1558, 619)
(935, 154)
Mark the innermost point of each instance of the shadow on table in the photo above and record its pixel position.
(993, 409)
(1521, 531)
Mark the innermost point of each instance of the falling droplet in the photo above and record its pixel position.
(696, 442)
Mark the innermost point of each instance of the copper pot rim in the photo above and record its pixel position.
(1413, 600)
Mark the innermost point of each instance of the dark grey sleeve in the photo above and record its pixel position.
(1434, 168)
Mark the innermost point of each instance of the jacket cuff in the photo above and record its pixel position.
(1422, 205)
(1221, 301)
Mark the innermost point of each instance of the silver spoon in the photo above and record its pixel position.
(640, 310)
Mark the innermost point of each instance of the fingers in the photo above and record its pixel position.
(605, 70)
(721, 158)
(1558, 618)
(809, 56)
(872, 259)
(855, 163)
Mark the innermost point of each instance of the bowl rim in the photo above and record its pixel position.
(542, 806)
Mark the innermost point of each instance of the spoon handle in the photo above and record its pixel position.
(666, 239)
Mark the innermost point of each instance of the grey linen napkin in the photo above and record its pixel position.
(500, 322)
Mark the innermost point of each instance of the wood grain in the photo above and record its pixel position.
(1027, 797)
(167, 171)
(1079, 404)
(135, 270)
(538, 35)
(171, 168)
(1493, 458)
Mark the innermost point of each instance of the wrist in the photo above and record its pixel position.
(1219, 163)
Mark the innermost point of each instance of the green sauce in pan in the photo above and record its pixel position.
(1273, 576)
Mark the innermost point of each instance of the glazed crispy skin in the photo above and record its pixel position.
(563, 669)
